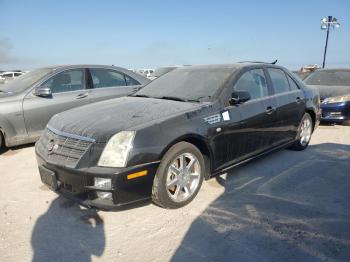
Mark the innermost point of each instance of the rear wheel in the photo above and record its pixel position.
(179, 176)
(2, 141)
(304, 133)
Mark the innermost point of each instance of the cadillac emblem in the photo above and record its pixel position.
(51, 146)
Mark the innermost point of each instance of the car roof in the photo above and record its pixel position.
(143, 80)
(11, 72)
(80, 66)
(228, 66)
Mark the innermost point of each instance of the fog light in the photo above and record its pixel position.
(103, 183)
(104, 195)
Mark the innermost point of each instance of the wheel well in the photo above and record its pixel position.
(202, 146)
(313, 117)
(2, 136)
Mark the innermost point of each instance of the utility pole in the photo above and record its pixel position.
(326, 23)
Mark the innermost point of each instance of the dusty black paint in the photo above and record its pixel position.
(159, 123)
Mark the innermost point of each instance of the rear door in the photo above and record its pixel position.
(109, 83)
(290, 104)
(68, 91)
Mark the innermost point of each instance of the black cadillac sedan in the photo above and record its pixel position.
(188, 125)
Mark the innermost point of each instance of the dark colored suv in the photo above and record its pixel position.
(188, 125)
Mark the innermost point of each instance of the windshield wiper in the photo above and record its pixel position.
(172, 98)
(140, 95)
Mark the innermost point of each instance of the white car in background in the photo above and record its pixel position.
(145, 72)
(9, 75)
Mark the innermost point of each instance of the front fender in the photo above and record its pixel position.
(152, 142)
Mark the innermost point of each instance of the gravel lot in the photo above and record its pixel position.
(288, 206)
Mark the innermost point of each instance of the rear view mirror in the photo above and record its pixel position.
(239, 97)
(42, 91)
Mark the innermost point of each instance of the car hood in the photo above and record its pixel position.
(102, 120)
(331, 91)
(8, 97)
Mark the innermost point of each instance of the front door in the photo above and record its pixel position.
(68, 91)
(247, 129)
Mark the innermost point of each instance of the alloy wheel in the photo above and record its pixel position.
(183, 177)
(305, 131)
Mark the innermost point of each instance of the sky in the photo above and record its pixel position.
(149, 34)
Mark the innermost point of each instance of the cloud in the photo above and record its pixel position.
(5, 51)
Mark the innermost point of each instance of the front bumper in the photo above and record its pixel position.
(78, 184)
(335, 112)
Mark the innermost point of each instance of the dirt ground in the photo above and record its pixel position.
(288, 206)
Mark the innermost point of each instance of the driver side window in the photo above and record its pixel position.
(71, 80)
(254, 82)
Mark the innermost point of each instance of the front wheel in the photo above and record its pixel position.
(304, 133)
(179, 176)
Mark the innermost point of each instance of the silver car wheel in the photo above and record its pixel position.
(305, 131)
(183, 177)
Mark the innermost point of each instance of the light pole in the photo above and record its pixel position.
(326, 23)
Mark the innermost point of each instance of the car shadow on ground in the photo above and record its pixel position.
(67, 232)
(9, 151)
(288, 206)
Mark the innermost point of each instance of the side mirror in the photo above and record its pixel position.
(239, 97)
(42, 91)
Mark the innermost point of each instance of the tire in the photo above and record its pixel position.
(2, 141)
(175, 184)
(346, 123)
(303, 139)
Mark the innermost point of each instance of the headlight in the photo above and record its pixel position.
(116, 151)
(337, 99)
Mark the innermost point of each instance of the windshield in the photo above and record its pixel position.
(161, 71)
(23, 82)
(187, 84)
(329, 78)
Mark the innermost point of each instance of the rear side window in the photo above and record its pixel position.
(279, 80)
(67, 81)
(103, 78)
(253, 82)
(292, 84)
(131, 81)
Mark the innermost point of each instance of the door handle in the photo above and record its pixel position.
(270, 110)
(298, 99)
(80, 96)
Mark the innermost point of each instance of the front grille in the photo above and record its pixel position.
(62, 149)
